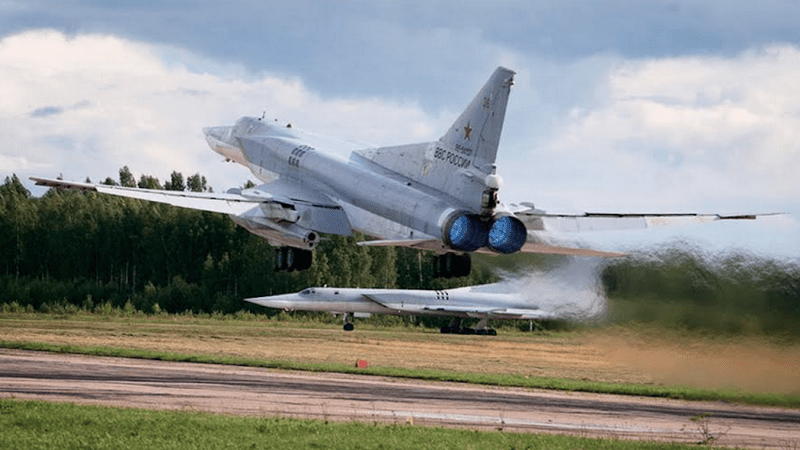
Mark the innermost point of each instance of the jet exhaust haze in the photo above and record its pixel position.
(572, 291)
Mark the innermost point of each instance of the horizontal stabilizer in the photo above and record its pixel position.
(546, 249)
(529, 247)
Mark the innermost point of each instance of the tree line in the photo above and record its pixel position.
(683, 287)
(75, 247)
(86, 249)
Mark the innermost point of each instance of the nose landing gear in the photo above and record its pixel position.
(347, 322)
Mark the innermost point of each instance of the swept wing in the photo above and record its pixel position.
(538, 220)
(394, 301)
(283, 213)
(222, 203)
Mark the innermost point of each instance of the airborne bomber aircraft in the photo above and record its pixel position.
(440, 196)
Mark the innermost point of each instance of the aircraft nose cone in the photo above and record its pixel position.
(221, 134)
(275, 301)
(221, 140)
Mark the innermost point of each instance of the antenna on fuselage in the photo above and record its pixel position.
(263, 114)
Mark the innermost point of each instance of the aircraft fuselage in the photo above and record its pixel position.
(268, 152)
(377, 201)
(461, 302)
(442, 192)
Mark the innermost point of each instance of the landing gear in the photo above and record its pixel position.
(347, 322)
(451, 265)
(288, 259)
(455, 328)
(459, 330)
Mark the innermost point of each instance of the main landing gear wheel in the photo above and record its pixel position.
(455, 328)
(452, 265)
(458, 330)
(288, 259)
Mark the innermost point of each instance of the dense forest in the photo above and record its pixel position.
(75, 247)
(87, 249)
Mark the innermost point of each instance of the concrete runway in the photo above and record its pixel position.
(265, 392)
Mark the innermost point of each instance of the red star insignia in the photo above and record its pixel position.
(467, 131)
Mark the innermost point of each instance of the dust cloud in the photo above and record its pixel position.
(572, 291)
(748, 364)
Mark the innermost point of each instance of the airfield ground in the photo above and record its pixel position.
(620, 355)
(634, 357)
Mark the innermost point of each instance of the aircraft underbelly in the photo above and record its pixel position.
(262, 174)
(346, 306)
(373, 225)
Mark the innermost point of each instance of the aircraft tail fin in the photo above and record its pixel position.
(478, 128)
(460, 164)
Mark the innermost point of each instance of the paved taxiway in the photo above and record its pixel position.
(259, 392)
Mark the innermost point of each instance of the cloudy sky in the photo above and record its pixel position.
(626, 105)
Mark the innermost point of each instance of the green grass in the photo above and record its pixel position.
(34, 425)
(673, 392)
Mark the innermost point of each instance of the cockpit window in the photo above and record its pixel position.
(305, 292)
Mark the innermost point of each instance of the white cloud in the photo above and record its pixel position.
(88, 104)
(680, 133)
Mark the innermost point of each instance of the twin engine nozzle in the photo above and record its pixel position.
(468, 232)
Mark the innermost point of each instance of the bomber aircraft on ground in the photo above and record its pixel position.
(440, 196)
(474, 302)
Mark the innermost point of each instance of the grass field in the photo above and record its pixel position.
(35, 425)
(628, 360)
